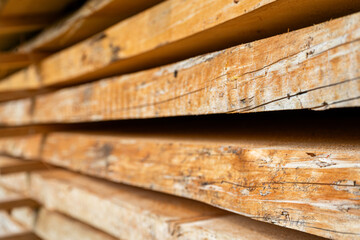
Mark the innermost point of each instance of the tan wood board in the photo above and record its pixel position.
(137, 214)
(54, 226)
(311, 189)
(174, 30)
(312, 68)
(93, 17)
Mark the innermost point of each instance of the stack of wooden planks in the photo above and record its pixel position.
(179, 119)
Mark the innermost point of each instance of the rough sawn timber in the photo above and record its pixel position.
(310, 189)
(93, 17)
(171, 31)
(132, 213)
(312, 68)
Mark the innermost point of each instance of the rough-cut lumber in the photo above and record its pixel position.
(20, 236)
(6, 205)
(11, 25)
(130, 213)
(7, 226)
(28, 146)
(234, 227)
(125, 212)
(54, 226)
(174, 30)
(11, 165)
(93, 17)
(14, 60)
(313, 68)
(309, 189)
(25, 15)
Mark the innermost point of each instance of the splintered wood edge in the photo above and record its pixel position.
(184, 37)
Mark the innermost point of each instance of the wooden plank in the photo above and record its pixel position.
(126, 212)
(27, 147)
(25, 13)
(25, 166)
(235, 227)
(11, 25)
(7, 225)
(131, 213)
(15, 60)
(171, 31)
(93, 17)
(312, 68)
(54, 226)
(321, 184)
(6, 205)
(20, 236)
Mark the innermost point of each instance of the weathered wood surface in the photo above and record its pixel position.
(171, 31)
(311, 188)
(125, 212)
(6, 205)
(15, 60)
(20, 236)
(131, 213)
(313, 68)
(18, 16)
(12, 165)
(93, 17)
(7, 226)
(28, 146)
(54, 226)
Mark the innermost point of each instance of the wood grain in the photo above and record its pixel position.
(171, 31)
(55, 226)
(133, 213)
(93, 17)
(313, 68)
(311, 189)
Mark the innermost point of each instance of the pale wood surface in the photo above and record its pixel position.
(7, 225)
(139, 214)
(174, 30)
(54, 226)
(313, 68)
(311, 188)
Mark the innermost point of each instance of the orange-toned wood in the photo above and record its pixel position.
(174, 30)
(310, 188)
(20, 236)
(6, 205)
(313, 68)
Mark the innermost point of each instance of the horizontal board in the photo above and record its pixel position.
(93, 17)
(55, 226)
(311, 189)
(8, 226)
(131, 213)
(171, 31)
(313, 68)
(28, 15)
